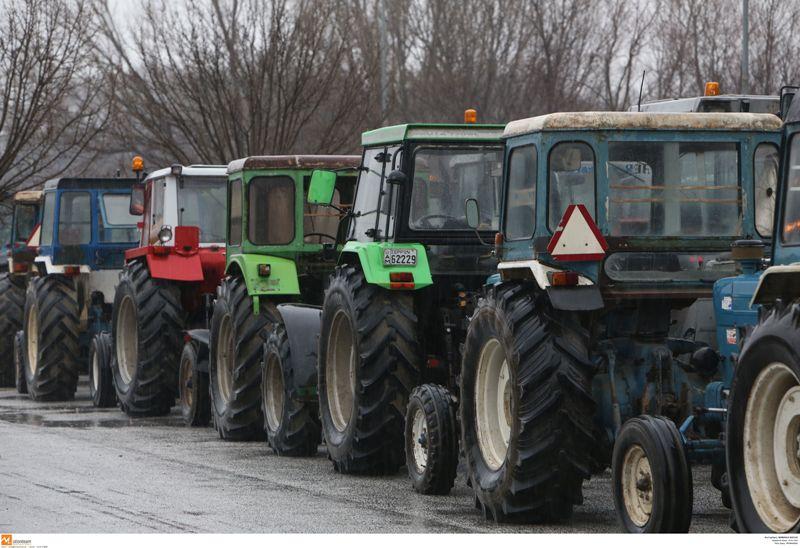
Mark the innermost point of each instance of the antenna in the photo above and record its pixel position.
(641, 87)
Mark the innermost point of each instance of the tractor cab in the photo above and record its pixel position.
(713, 101)
(24, 224)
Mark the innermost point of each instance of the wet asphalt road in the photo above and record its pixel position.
(69, 468)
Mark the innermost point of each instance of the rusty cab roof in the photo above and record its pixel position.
(299, 162)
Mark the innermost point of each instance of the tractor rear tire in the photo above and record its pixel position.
(236, 348)
(369, 362)
(52, 323)
(12, 309)
(431, 438)
(292, 424)
(763, 476)
(19, 362)
(651, 478)
(147, 331)
(101, 377)
(195, 402)
(526, 407)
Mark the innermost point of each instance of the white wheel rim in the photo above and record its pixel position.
(225, 359)
(273, 393)
(186, 383)
(637, 485)
(95, 373)
(770, 441)
(419, 436)
(32, 338)
(493, 391)
(127, 339)
(340, 371)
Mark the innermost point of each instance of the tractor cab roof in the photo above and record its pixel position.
(28, 196)
(643, 121)
(194, 170)
(432, 132)
(89, 183)
(300, 162)
(767, 104)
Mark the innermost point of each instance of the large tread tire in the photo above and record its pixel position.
(12, 309)
(539, 475)
(292, 424)
(148, 384)
(195, 402)
(384, 328)
(19, 362)
(435, 473)
(237, 408)
(101, 377)
(760, 506)
(668, 488)
(52, 354)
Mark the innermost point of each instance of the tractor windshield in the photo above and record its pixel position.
(24, 220)
(114, 221)
(444, 178)
(685, 189)
(202, 203)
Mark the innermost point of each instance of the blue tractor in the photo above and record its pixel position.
(613, 225)
(763, 425)
(85, 230)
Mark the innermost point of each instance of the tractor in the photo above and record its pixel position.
(165, 288)
(85, 229)
(260, 351)
(14, 274)
(612, 225)
(395, 310)
(763, 420)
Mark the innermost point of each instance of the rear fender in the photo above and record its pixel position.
(282, 278)
(778, 282)
(303, 325)
(585, 296)
(370, 258)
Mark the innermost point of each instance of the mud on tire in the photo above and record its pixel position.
(235, 352)
(292, 424)
(363, 402)
(147, 333)
(51, 324)
(12, 309)
(531, 469)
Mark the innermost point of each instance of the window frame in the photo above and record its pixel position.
(231, 240)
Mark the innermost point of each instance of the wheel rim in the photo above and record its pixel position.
(419, 435)
(186, 382)
(32, 338)
(127, 339)
(493, 402)
(770, 441)
(95, 373)
(273, 393)
(340, 371)
(225, 359)
(637, 485)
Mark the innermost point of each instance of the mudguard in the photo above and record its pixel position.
(303, 324)
(778, 282)
(370, 256)
(584, 297)
(201, 338)
(282, 278)
(176, 267)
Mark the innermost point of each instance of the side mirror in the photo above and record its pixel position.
(136, 204)
(396, 177)
(473, 213)
(322, 185)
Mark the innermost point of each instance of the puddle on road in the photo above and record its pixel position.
(108, 422)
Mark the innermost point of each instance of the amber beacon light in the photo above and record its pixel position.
(712, 89)
(470, 116)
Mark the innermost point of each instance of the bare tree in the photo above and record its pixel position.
(51, 109)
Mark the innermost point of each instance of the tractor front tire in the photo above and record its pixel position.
(526, 407)
(19, 362)
(12, 309)
(147, 330)
(291, 423)
(52, 323)
(194, 399)
(431, 440)
(237, 344)
(101, 377)
(762, 430)
(368, 363)
(651, 478)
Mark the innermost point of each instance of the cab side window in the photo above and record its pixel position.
(571, 180)
(521, 202)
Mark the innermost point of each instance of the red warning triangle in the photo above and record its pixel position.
(577, 237)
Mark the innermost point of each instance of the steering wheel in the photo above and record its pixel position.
(320, 235)
(425, 219)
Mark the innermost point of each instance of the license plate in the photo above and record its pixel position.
(399, 257)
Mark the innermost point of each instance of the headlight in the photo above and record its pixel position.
(165, 234)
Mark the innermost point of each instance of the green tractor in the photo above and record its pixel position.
(281, 249)
(395, 312)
